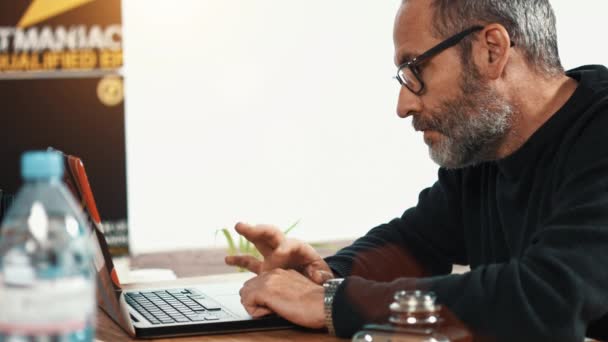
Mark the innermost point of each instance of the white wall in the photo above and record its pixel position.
(581, 32)
(271, 111)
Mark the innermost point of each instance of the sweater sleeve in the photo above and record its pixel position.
(426, 240)
(552, 292)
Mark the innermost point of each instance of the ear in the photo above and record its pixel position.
(491, 51)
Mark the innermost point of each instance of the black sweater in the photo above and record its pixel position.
(533, 227)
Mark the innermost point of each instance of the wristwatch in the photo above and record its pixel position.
(330, 287)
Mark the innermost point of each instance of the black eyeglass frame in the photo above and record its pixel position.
(415, 63)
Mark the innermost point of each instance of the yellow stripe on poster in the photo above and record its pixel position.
(41, 10)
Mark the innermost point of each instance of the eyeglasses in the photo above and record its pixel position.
(408, 73)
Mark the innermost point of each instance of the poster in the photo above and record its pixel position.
(61, 86)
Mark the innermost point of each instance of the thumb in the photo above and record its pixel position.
(320, 277)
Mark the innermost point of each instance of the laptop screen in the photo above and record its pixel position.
(108, 285)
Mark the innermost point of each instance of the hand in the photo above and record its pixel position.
(280, 252)
(289, 294)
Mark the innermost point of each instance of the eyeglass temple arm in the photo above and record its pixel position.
(446, 44)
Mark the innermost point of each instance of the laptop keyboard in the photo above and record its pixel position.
(176, 306)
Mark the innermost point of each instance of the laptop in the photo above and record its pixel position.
(152, 312)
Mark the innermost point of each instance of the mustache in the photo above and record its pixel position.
(421, 123)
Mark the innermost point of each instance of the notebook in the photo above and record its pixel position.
(152, 312)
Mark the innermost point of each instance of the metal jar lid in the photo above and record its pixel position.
(414, 308)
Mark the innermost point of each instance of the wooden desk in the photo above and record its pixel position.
(186, 264)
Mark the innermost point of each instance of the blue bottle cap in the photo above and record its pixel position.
(41, 165)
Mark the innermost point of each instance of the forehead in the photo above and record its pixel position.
(412, 30)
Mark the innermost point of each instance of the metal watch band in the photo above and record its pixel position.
(330, 287)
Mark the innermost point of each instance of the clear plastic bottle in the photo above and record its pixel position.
(47, 278)
(414, 318)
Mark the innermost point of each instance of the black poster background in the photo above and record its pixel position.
(65, 112)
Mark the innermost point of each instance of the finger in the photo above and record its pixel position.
(266, 234)
(251, 299)
(266, 238)
(245, 261)
(301, 252)
(320, 277)
(318, 271)
(256, 311)
(259, 311)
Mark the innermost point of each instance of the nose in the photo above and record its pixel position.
(408, 103)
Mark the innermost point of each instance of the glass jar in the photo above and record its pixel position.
(414, 318)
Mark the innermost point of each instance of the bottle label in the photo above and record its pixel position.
(56, 306)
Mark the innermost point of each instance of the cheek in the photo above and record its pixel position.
(446, 116)
(442, 79)
(441, 105)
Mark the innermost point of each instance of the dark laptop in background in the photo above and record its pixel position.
(149, 313)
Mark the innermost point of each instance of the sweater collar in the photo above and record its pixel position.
(513, 165)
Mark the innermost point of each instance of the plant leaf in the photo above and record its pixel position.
(256, 253)
(241, 244)
(247, 247)
(231, 246)
(291, 227)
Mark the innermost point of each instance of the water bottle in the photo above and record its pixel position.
(414, 318)
(47, 278)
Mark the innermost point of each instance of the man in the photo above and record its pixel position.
(521, 196)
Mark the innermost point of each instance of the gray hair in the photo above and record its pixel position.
(530, 24)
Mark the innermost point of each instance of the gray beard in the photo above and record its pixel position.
(472, 126)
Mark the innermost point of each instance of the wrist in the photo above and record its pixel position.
(330, 288)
